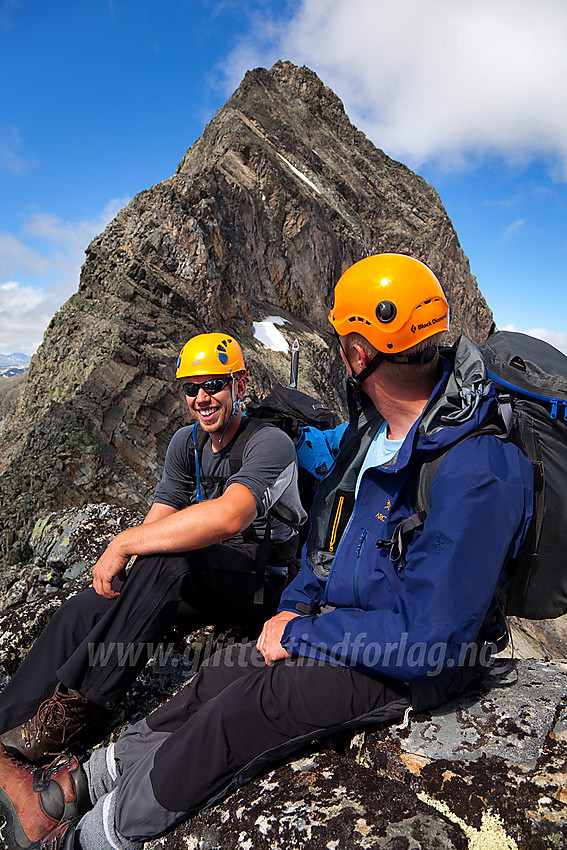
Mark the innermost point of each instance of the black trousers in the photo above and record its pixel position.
(232, 720)
(98, 646)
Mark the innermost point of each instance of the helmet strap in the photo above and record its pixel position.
(425, 356)
(369, 368)
(233, 412)
(356, 381)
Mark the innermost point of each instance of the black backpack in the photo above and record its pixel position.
(531, 380)
(286, 408)
(291, 410)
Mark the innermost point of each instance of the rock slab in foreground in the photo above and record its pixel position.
(510, 721)
(485, 772)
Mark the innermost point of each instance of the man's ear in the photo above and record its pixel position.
(241, 387)
(359, 358)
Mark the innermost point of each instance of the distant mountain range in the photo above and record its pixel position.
(12, 364)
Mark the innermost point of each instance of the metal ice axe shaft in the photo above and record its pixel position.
(294, 366)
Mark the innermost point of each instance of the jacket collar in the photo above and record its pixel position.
(461, 400)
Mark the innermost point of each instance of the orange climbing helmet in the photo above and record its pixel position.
(210, 354)
(391, 300)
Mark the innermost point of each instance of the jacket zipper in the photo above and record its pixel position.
(518, 391)
(336, 523)
(357, 567)
(343, 535)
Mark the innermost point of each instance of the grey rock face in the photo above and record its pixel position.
(10, 389)
(63, 546)
(269, 206)
(511, 720)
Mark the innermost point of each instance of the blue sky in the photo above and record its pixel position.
(101, 98)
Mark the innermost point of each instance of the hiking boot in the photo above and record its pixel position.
(38, 802)
(60, 838)
(59, 721)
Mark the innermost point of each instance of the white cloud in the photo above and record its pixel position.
(438, 80)
(36, 281)
(11, 157)
(513, 229)
(556, 338)
(74, 236)
(24, 314)
(18, 258)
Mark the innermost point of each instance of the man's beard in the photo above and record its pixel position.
(218, 425)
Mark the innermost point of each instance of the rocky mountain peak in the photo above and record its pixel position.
(279, 195)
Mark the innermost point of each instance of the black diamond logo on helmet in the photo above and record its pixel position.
(413, 329)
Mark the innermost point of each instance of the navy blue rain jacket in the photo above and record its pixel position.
(417, 617)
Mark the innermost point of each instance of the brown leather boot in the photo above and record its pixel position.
(59, 721)
(39, 801)
(60, 838)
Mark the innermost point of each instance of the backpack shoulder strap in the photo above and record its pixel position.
(247, 427)
(426, 469)
(432, 461)
(424, 479)
(200, 437)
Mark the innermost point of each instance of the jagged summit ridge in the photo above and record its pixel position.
(264, 212)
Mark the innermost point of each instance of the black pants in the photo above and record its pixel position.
(98, 646)
(237, 716)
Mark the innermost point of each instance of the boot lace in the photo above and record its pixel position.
(51, 715)
(60, 760)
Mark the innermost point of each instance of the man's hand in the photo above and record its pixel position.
(110, 565)
(269, 642)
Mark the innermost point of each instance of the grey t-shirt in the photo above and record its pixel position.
(269, 471)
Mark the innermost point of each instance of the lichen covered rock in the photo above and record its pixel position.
(321, 802)
(487, 771)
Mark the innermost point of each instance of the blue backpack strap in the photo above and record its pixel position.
(198, 495)
(200, 437)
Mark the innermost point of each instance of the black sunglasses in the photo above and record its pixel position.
(212, 387)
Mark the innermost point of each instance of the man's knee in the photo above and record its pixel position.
(214, 676)
(237, 656)
(159, 567)
(86, 607)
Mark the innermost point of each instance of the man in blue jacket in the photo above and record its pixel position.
(391, 609)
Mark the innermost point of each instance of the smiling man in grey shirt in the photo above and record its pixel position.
(202, 548)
